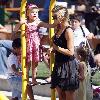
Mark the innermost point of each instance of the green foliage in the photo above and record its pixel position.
(96, 78)
(43, 71)
(7, 15)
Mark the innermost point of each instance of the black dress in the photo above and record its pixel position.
(65, 71)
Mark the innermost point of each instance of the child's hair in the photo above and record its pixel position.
(76, 17)
(30, 7)
(82, 52)
(16, 43)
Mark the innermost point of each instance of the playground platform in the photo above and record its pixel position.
(41, 92)
(37, 97)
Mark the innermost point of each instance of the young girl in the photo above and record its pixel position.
(32, 38)
(83, 73)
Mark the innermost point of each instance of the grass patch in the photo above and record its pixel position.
(43, 71)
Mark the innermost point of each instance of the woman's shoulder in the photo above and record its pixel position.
(69, 29)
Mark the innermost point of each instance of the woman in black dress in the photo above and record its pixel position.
(65, 72)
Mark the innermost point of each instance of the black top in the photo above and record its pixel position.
(92, 20)
(61, 42)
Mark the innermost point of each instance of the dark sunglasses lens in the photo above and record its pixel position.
(54, 17)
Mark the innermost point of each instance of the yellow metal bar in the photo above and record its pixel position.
(3, 97)
(24, 78)
(51, 31)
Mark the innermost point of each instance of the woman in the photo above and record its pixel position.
(65, 73)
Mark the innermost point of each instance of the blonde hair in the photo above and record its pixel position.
(57, 8)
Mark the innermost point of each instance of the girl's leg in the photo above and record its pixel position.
(48, 79)
(70, 95)
(61, 94)
(47, 63)
(28, 65)
(34, 72)
(30, 92)
(46, 60)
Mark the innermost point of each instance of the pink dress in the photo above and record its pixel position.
(32, 42)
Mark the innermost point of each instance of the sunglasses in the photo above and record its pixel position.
(54, 17)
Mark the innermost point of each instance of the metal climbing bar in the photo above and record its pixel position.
(24, 78)
(51, 31)
(3, 97)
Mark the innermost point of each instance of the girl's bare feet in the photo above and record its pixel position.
(34, 83)
(48, 79)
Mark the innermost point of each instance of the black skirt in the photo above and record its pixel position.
(65, 75)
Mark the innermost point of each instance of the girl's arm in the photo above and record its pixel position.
(17, 27)
(47, 25)
(81, 72)
(15, 70)
(70, 44)
(15, 32)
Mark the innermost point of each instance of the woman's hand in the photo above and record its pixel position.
(55, 47)
(56, 22)
(49, 51)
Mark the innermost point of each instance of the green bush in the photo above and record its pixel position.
(96, 78)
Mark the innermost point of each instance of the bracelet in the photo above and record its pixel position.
(58, 48)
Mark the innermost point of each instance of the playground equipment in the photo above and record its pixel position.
(3, 97)
(51, 31)
(24, 78)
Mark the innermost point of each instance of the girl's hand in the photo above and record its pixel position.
(23, 21)
(81, 78)
(20, 73)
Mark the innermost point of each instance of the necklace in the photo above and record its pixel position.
(59, 30)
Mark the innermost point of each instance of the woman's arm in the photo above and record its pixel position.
(70, 44)
(70, 41)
